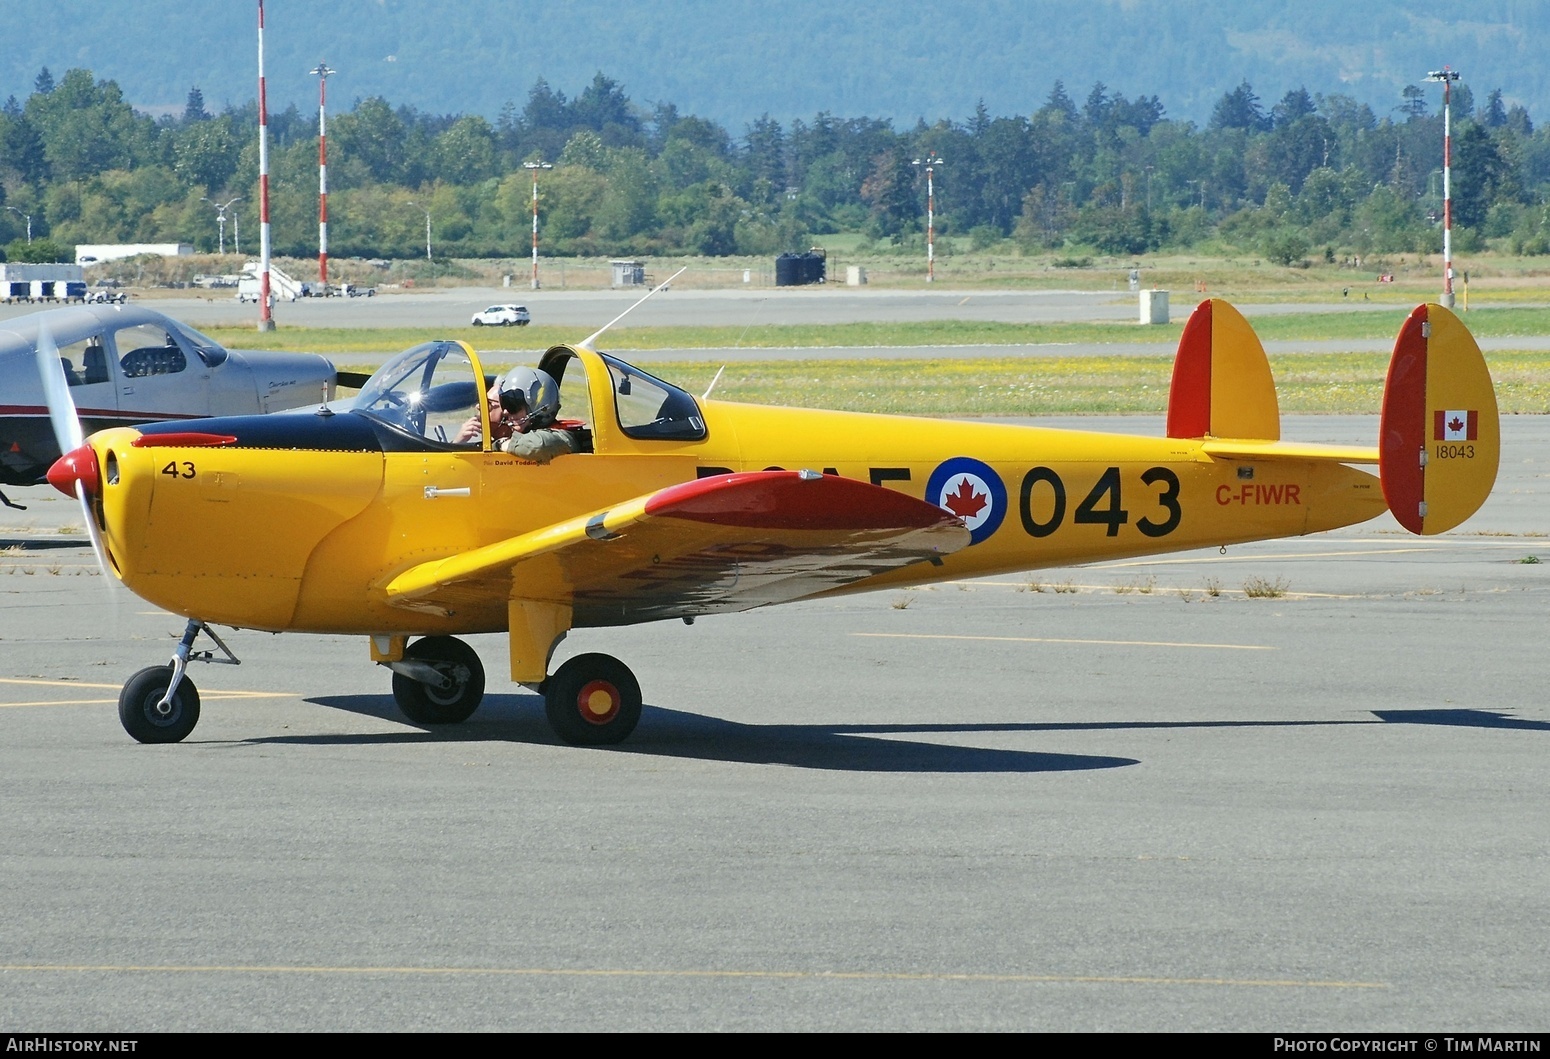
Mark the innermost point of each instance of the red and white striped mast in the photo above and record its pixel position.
(1447, 75)
(535, 167)
(931, 162)
(321, 71)
(265, 318)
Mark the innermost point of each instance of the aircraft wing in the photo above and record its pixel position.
(726, 543)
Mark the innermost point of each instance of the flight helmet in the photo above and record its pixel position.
(531, 395)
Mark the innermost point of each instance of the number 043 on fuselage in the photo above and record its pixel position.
(376, 521)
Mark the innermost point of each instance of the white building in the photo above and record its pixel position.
(92, 253)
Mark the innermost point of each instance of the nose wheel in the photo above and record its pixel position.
(150, 715)
(160, 704)
(592, 700)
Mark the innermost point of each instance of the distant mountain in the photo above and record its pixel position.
(734, 60)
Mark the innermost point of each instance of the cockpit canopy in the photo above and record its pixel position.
(647, 408)
(430, 390)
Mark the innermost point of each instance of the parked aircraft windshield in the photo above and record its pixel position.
(430, 390)
(210, 351)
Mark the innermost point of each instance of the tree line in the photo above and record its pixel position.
(1311, 174)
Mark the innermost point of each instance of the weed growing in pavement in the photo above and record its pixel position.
(1262, 588)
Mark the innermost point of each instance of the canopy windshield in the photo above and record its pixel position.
(430, 390)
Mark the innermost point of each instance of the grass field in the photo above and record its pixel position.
(1313, 326)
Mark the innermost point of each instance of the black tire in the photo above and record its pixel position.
(592, 700)
(139, 707)
(424, 704)
(478, 323)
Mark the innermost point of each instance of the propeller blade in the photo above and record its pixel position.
(56, 393)
(97, 547)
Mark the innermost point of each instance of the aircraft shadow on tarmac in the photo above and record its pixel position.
(1460, 719)
(841, 747)
(674, 733)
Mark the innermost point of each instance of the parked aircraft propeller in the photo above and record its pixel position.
(78, 466)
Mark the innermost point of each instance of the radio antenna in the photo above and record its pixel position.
(590, 339)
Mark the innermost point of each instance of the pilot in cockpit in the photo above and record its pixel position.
(530, 398)
(500, 422)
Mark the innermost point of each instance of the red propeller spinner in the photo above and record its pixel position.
(77, 465)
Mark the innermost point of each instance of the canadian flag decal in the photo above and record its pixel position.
(1455, 425)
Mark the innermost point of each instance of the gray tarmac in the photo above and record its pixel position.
(1125, 796)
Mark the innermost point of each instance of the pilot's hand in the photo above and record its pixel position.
(469, 431)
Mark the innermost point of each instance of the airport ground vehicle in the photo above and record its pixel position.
(503, 316)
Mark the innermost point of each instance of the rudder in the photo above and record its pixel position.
(1439, 442)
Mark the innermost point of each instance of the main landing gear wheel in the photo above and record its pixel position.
(455, 661)
(592, 700)
(144, 717)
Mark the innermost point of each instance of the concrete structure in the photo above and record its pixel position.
(1154, 307)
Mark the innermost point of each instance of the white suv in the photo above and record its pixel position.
(502, 315)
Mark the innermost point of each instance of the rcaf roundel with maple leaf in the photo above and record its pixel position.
(972, 491)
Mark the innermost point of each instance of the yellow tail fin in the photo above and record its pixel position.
(1222, 386)
(1440, 440)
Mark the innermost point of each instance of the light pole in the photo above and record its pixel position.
(1447, 76)
(427, 213)
(931, 161)
(321, 72)
(220, 217)
(535, 167)
(28, 216)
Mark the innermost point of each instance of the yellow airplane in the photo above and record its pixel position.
(376, 521)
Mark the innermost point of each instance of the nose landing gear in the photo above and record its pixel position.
(160, 704)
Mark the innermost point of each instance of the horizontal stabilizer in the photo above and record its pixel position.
(1238, 449)
(1222, 387)
(726, 543)
(1439, 441)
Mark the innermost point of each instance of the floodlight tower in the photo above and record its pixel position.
(19, 213)
(931, 161)
(1447, 76)
(535, 167)
(220, 218)
(321, 72)
(265, 316)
